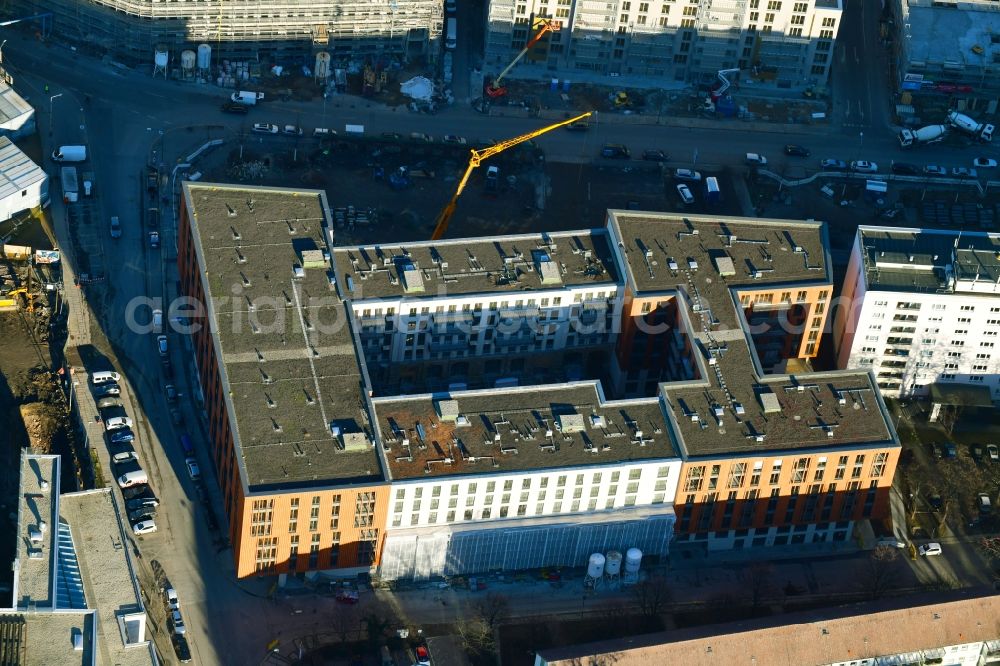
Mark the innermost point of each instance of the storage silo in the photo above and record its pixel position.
(204, 57)
(322, 68)
(187, 61)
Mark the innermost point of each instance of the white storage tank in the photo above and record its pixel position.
(322, 68)
(161, 57)
(595, 566)
(204, 57)
(613, 563)
(633, 559)
(187, 60)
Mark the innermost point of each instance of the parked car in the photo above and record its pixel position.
(116, 422)
(932, 170)
(108, 402)
(392, 136)
(173, 603)
(144, 527)
(161, 344)
(962, 172)
(936, 449)
(984, 163)
(685, 193)
(615, 151)
(833, 165)
(864, 166)
(107, 389)
(935, 501)
(292, 130)
(421, 136)
(171, 393)
(137, 490)
(984, 504)
(655, 156)
(121, 436)
(349, 597)
(176, 417)
(265, 128)
(142, 513)
(423, 656)
(993, 452)
(154, 239)
(890, 542)
(755, 159)
(181, 649)
(977, 452)
(687, 174)
(141, 502)
(578, 126)
(950, 450)
(116, 227)
(904, 169)
(123, 454)
(796, 150)
(178, 622)
(929, 549)
(233, 107)
(454, 139)
(192, 468)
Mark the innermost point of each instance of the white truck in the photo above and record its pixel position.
(983, 131)
(70, 154)
(70, 187)
(929, 134)
(247, 97)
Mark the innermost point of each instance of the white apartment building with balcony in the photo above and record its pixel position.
(786, 43)
(922, 306)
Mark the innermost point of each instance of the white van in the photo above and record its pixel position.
(451, 40)
(117, 422)
(104, 377)
(70, 154)
(136, 478)
(157, 321)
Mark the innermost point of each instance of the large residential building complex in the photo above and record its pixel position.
(922, 306)
(949, 48)
(788, 43)
(261, 32)
(513, 402)
(951, 628)
(76, 595)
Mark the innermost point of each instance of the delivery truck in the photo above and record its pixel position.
(247, 97)
(70, 186)
(70, 154)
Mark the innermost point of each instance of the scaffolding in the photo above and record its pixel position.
(256, 29)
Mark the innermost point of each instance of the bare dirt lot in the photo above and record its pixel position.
(532, 194)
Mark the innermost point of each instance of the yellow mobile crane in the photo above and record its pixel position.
(476, 158)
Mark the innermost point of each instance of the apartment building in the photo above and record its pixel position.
(944, 628)
(786, 43)
(920, 307)
(262, 32)
(287, 415)
(948, 49)
(771, 453)
(75, 591)
(450, 407)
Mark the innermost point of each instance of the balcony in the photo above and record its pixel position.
(899, 341)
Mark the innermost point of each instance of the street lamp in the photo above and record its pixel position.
(1, 51)
(52, 101)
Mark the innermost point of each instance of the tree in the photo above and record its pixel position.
(478, 638)
(990, 547)
(879, 573)
(492, 608)
(378, 620)
(345, 622)
(758, 579)
(652, 595)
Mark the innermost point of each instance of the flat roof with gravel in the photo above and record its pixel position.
(475, 265)
(931, 260)
(707, 256)
(37, 520)
(109, 579)
(515, 429)
(290, 373)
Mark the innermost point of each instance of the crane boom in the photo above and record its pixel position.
(476, 158)
(494, 89)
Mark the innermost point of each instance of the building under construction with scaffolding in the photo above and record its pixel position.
(261, 30)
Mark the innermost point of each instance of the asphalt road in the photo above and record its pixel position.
(123, 122)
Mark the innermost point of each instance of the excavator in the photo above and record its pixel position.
(476, 158)
(493, 89)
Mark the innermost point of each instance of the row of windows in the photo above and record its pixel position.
(696, 477)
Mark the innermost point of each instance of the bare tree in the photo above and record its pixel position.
(492, 608)
(478, 638)
(652, 595)
(990, 547)
(345, 621)
(758, 577)
(879, 573)
(378, 620)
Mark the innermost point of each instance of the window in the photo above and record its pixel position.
(878, 466)
(694, 479)
(775, 473)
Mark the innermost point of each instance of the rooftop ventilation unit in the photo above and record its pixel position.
(355, 441)
(769, 401)
(413, 282)
(725, 266)
(569, 423)
(447, 410)
(298, 272)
